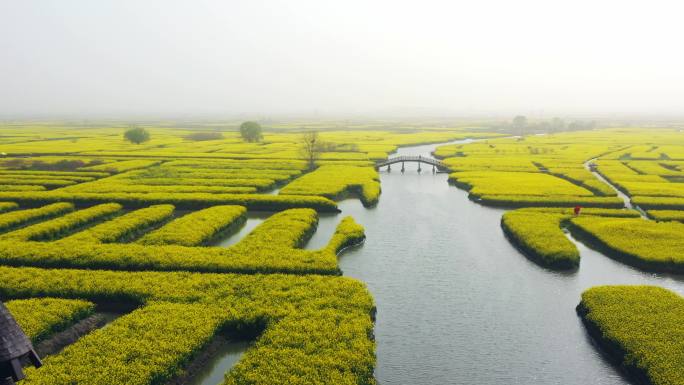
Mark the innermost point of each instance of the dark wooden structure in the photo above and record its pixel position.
(437, 166)
(16, 349)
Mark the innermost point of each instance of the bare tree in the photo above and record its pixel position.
(312, 147)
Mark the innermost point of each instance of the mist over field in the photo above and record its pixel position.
(271, 192)
(387, 58)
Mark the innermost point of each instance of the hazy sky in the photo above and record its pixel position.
(265, 58)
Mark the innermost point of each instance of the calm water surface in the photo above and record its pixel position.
(214, 371)
(457, 304)
(254, 219)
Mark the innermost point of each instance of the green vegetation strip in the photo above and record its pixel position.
(539, 236)
(259, 183)
(271, 247)
(481, 183)
(191, 201)
(197, 228)
(124, 227)
(17, 218)
(21, 187)
(658, 203)
(122, 166)
(55, 174)
(13, 180)
(39, 318)
(199, 172)
(49, 177)
(640, 327)
(108, 186)
(648, 245)
(58, 227)
(667, 215)
(537, 233)
(336, 182)
(514, 201)
(7, 206)
(313, 329)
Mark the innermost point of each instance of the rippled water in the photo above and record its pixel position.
(457, 304)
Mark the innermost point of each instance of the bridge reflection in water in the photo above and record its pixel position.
(437, 166)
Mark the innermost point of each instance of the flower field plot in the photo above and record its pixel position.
(337, 182)
(667, 215)
(516, 183)
(649, 245)
(640, 327)
(538, 233)
(553, 170)
(18, 218)
(274, 246)
(126, 227)
(186, 201)
(138, 219)
(579, 176)
(98, 167)
(309, 329)
(58, 227)
(527, 189)
(196, 177)
(41, 317)
(7, 206)
(197, 228)
(89, 221)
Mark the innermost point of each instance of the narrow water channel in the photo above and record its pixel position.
(254, 219)
(457, 304)
(625, 198)
(213, 372)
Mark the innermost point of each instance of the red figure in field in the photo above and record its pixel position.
(577, 210)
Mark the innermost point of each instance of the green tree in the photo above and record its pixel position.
(251, 131)
(137, 135)
(557, 124)
(519, 124)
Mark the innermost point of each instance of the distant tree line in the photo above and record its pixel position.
(520, 125)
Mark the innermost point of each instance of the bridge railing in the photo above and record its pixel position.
(410, 158)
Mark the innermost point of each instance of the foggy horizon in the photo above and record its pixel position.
(270, 59)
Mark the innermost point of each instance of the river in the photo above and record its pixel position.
(457, 304)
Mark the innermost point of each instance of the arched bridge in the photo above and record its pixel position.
(436, 164)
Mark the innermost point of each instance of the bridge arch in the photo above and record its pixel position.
(437, 165)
